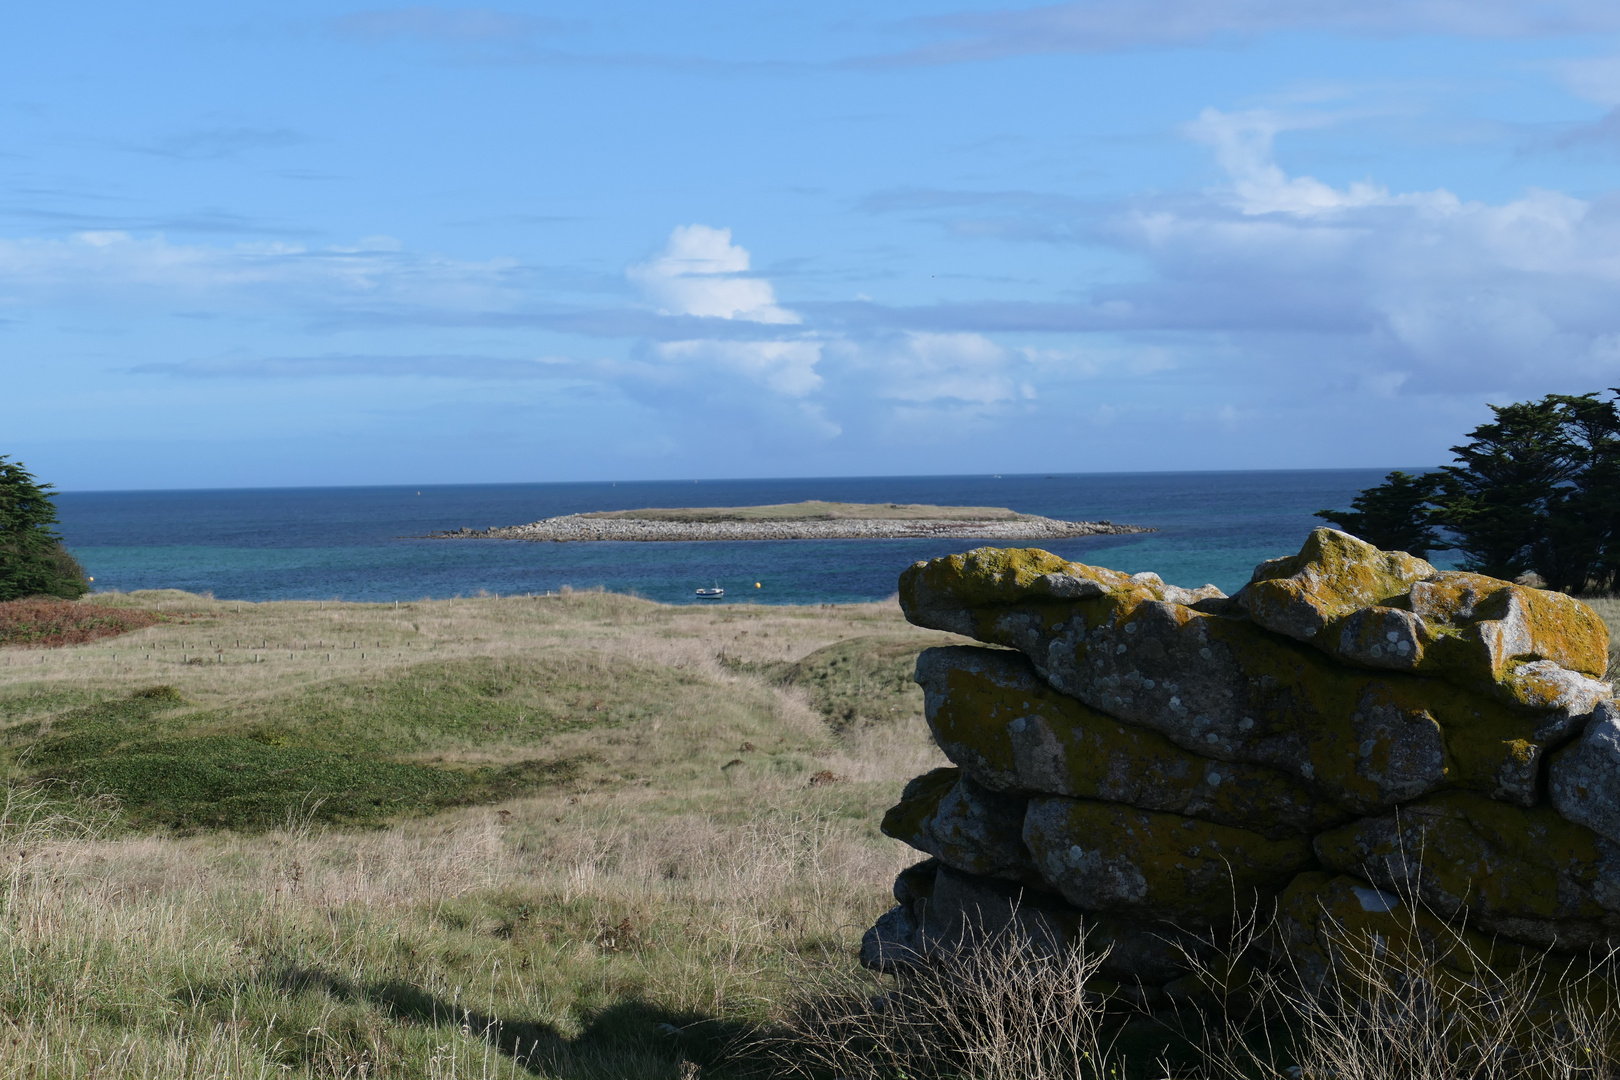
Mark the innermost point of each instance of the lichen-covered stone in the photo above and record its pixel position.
(1335, 575)
(893, 942)
(1389, 610)
(916, 882)
(947, 815)
(938, 593)
(1527, 874)
(1584, 778)
(1563, 700)
(1104, 857)
(993, 716)
(1217, 684)
(1482, 626)
(918, 800)
(941, 910)
(1356, 731)
(1321, 917)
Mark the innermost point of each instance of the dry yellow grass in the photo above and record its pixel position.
(616, 925)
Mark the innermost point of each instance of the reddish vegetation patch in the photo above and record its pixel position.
(46, 623)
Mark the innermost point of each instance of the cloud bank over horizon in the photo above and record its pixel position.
(1100, 26)
(1263, 267)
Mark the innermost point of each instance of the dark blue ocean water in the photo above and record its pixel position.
(353, 543)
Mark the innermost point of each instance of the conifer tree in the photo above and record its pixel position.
(33, 561)
(1537, 490)
(1395, 516)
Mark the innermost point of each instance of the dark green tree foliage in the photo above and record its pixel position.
(1499, 500)
(1396, 516)
(33, 561)
(1537, 490)
(1581, 547)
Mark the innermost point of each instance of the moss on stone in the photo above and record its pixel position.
(994, 717)
(1461, 850)
(904, 821)
(1340, 923)
(1109, 857)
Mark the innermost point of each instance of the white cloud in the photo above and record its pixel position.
(112, 265)
(785, 367)
(698, 273)
(1243, 142)
(1423, 291)
(963, 367)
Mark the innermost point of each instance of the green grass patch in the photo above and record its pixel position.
(336, 752)
(44, 700)
(853, 683)
(479, 705)
(227, 781)
(145, 751)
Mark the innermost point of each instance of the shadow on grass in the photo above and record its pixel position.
(630, 1037)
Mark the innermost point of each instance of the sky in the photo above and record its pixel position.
(313, 243)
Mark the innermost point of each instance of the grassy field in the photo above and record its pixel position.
(575, 836)
(816, 510)
(570, 836)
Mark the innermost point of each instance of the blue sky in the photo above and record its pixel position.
(325, 244)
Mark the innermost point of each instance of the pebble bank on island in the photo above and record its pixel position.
(799, 521)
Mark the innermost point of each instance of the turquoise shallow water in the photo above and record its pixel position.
(355, 543)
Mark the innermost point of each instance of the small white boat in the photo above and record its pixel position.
(711, 594)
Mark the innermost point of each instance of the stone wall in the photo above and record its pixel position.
(1353, 727)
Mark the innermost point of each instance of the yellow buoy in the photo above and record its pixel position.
(756, 584)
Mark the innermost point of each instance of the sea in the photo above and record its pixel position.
(366, 543)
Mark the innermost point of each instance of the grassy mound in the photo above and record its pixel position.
(46, 622)
(853, 683)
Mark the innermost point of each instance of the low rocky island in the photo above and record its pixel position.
(799, 521)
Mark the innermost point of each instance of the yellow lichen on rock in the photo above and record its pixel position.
(937, 592)
(1009, 731)
(904, 820)
(1109, 857)
(1390, 610)
(1333, 575)
(1496, 623)
(1338, 923)
(998, 576)
(976, 831)
(1220, 685)
(1529, 873)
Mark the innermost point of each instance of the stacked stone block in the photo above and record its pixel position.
(1147, 763)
